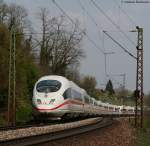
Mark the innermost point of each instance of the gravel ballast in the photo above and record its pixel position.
(13, 134)
(118, 134)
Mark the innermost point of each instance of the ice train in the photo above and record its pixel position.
(57, 97)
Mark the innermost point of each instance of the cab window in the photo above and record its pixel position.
(48, 86)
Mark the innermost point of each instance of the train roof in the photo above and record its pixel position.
(75, 86)
(54, 77)
(63, 80)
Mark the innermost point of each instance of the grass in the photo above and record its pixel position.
(143, 135)
(143, 138)
(147, 122)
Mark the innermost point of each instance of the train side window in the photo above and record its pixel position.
(67, 93)
(86, 99)
(76, 95)
(91, 101)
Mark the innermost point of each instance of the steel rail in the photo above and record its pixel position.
(43, 138)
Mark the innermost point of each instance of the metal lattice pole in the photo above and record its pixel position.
(12, 79)
(139, 80)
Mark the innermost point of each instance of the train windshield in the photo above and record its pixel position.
(48, 86)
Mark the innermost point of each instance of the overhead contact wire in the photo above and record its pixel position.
(92, 42)
(92, 18)
(130, 19)
(117, 26)
(124, 49)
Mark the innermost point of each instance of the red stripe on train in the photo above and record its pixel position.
(65, 103)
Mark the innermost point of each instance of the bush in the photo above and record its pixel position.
(24, 114)
(3, 98)
(2, 121)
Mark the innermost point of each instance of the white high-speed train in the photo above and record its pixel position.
(56, 96)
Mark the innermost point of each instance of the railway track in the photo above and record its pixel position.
(61, 134)
(16, 127)
(25, 126)
(52, 122)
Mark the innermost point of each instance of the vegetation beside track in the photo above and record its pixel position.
(24, 114)
(142, 138)
(2, 121)
(143, 135)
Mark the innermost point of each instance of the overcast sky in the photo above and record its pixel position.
(93, 64)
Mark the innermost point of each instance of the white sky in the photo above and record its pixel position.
(93, 64)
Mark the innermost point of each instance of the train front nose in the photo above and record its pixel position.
(47, 102)
(49, 105)
(46, 94)
(48, 98)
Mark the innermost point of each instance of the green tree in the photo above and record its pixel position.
(26, 70)
(89, 84)
(109, 87)
(4, 55)
(147, 99)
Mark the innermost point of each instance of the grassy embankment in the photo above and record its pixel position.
(143, 135)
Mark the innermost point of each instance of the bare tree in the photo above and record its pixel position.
(46, 34)
(17, 15)
(14, 15)
(3, 12)
(60, 43)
